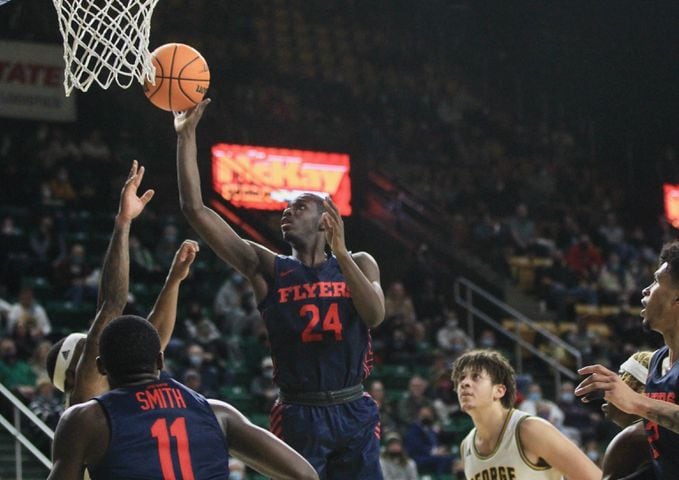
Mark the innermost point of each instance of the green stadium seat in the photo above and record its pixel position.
(239, 397)
(69, 317)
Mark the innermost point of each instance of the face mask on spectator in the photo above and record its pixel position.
(196, 360)
(534, 396)
(593, 455)
(567, 397)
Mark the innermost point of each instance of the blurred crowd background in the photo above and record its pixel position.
(536, 135)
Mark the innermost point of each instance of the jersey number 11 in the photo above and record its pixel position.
(160, 432)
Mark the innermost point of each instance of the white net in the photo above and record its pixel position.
(105, 41)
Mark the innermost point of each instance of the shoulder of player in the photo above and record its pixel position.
(533, 430)
(364, 260)
(222, 410)
(83, 413)
(627, 441)
(265, 258)
(362, 256)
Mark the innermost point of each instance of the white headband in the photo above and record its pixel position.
(634, 368)
(64, 358)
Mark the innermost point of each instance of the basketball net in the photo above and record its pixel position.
(105, 41)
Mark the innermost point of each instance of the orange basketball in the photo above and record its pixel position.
(182, 77)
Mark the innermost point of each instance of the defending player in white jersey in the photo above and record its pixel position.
(506, 443)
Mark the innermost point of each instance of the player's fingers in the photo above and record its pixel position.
(330, 205)
(589, 369)
(139, 176)
(200, 108)
(329, 221)
(189, 244)
(133, 170)
(148, 195)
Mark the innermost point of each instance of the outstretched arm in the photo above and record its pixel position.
(164, 311)
(360, 269)
(541, 439)
(617, 392)
(218, 234)
(259, 448)
(113, 286)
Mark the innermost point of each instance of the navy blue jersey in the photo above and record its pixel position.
(664, 442)
(161, 430)
(318, 341)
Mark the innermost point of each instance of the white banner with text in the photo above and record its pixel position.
(31, 82)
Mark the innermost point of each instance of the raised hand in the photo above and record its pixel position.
(183, 260)
(132, 205)
(334, 227)
(601, 379)
(187, 120)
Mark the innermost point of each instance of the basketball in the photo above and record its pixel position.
(182, 77)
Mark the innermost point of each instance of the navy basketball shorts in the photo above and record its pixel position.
(340, 441)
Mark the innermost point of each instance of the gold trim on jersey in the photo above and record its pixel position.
(519, 446)
(499, 439)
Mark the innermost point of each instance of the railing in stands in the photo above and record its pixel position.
(20, 409)
(475, 301)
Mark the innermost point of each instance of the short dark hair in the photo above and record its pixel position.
(316, 199)
(51, 359)
(670, 254)
(497, 366)
(129, 345)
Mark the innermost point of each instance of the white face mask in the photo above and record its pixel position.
(593, 455)
(236, 476)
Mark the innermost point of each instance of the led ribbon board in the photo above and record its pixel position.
(671, 194)
(265, 178)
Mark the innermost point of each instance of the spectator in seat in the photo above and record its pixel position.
(263, 387)
(388, 421)
(536, 404)
(615, 282)
(47, 406)
(416, 398)
(422, 444)
(71, 273)
(451, 338)
(584, 258)
(395, 462)
(15, 374)
(29, 312)
(397, 303)
(46, 246)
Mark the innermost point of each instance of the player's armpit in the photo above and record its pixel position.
(73, 442)
(259, 448)
(539, 439)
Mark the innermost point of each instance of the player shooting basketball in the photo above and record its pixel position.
(318, 309)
